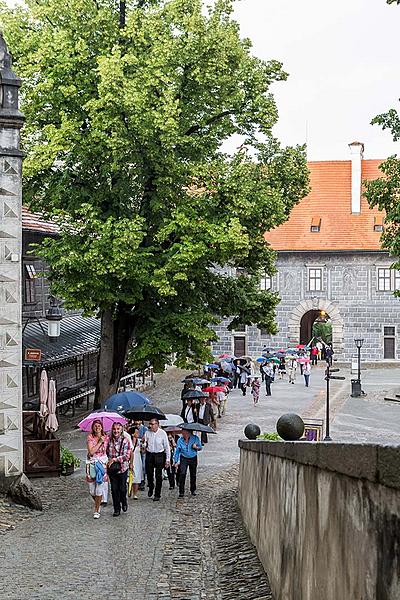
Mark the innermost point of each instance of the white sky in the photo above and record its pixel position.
(343, 61)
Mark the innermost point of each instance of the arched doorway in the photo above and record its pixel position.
(299, 329)
(315, 324)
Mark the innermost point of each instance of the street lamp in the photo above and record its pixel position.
(53, 318)
(359, 342)
(356, 383)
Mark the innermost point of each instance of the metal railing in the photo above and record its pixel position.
(132, 380)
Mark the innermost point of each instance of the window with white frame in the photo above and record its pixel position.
(315, 279)
(388, 280)
(266, 282)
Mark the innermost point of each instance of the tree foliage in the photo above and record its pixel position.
(123, 136)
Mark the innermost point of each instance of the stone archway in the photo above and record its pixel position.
(317, 304)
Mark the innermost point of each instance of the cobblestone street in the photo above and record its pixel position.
(191, 549)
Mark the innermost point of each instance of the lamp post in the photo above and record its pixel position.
(53, 318)
(359, 342)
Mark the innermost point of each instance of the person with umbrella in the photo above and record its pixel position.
(158, 455)
(96, 475)
(185, 457)
(118, 452)
(268, 377)
(206, 417)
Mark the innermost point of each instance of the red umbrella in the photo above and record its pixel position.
(300, 346)
(214, 388)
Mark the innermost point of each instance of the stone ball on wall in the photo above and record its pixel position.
(251, 431)
(290, 427)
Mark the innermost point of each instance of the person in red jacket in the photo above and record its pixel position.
(314, 355)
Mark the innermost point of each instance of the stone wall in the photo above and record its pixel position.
(350, 297)
(324, 517)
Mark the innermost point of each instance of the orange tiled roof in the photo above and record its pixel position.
(330, 201)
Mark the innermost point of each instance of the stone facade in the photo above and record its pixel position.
(11, 121)
(349, 294)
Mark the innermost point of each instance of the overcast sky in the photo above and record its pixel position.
(343, 59)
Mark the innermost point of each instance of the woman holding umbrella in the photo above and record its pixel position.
(118, 453)
(97, 442)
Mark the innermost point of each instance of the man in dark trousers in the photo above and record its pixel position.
(205, 416)
(158, 455)
(186, 457)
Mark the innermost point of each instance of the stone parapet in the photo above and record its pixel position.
(324, 517)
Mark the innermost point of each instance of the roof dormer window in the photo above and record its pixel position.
(315, 225)
(378, 223)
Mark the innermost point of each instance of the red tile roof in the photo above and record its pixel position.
(330, 201)
(35, 222)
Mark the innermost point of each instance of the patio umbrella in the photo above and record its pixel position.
(52, 423)
(213, 389)
(43, 394)
(125, 401)
(194, 394)
(106, 419)
(197, 427)
(145, 413)
(171, 420)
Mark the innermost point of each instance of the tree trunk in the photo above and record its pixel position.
(116, 335)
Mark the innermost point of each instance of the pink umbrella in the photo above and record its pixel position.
(106, 418)
(43, 394)
(303, 360)
(52, 423)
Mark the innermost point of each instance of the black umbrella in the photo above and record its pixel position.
(194, 395)
(197, 427)
(145, 413)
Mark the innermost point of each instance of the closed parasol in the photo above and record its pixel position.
(52, 423)
(43, 394)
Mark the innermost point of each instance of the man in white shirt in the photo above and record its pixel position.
(158, 455)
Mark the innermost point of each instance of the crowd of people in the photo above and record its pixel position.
(137, 453)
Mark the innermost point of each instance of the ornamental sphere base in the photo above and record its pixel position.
(251, 431)
(290, 427)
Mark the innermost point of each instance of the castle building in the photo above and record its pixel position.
(330, 261)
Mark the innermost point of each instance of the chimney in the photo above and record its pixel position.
(357, 151)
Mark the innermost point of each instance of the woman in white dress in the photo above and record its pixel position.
(136, 462)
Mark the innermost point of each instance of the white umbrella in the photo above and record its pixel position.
(171, 420)
(52, 423)
(43, 394)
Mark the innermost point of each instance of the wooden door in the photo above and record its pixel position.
(239, 345)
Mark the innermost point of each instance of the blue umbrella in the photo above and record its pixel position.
(222, 379)
(212, 366)
(128, 400)
(261, 359)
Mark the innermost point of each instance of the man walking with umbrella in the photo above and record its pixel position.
(185, 455)
(158, 455)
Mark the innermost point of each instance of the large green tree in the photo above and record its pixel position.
(384, 192)
(126, 108)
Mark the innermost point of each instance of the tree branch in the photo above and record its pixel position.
(210, 121)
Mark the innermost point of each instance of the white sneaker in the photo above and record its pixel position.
(96, 515)
(135, 497)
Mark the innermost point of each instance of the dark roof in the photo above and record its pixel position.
(79, 335)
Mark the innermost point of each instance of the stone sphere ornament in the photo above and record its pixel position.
(251, 431)
(290, 427)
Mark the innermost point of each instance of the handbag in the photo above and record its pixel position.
(115, 467)
(90, 469)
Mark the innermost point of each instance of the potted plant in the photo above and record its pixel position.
(270, 437)
(68, 461)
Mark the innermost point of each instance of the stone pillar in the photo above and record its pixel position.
(11, 121)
